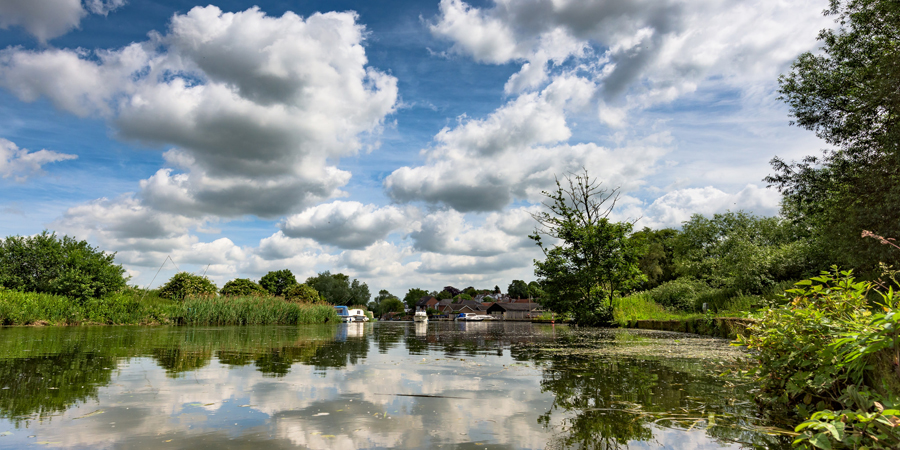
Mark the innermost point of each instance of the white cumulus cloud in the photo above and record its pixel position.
(350, 225)
(258, 108)
(20, 164)
(46, 20)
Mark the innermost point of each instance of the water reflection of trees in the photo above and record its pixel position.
(611, 401)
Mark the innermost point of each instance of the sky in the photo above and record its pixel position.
(404, 143)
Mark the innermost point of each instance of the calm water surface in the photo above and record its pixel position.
(381, 385)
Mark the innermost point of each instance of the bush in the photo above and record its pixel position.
(302, 293)
(682, 294)
(62, 266)
(184, 284)
(819, 354)
(277, 282)
(242, 287)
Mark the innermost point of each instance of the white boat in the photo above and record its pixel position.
(420, 316)
(470, 317)
(358, 315)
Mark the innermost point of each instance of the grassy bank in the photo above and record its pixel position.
(641, 306)
(138, 308)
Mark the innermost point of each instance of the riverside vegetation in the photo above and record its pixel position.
(45, 279)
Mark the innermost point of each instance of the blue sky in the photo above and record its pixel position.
(403, 143)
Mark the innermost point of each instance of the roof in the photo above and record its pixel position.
(424, 300)
(514, 307)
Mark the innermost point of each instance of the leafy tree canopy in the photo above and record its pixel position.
(847, 94)
(443, 295)
(517, 289)
(413, 296)
(742, 251)
(278, 281)
(337, 289)
(184, 284)
(658, 261)
(241, 287)
(302, 293)
(63, 266)
(594, 259)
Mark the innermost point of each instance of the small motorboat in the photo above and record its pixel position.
(420, 316)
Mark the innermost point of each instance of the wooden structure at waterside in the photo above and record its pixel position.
(515, 311)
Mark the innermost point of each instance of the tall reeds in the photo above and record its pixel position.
(127, 308)
(254, 311)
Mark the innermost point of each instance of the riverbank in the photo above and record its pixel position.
(722, 327)
(134, 308)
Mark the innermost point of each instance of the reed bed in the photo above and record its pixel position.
(132, 308)
(255, 311)
(29, 308)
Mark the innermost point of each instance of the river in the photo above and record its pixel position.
(376, 385)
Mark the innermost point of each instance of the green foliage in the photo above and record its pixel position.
(462, 297)
(242, 287)
(302, 293)
(742, 252)
(443, 295)
(658, 261)
(517, 289)
(534, 290)
(846, 93)
(595, 259)
(682, 294)
(339, 290)
(255, 311)
(413, 296)
(184, 284)
(391, 305)
(28, 308)
(471, 291)
(816, 355)
(45, 263)
(277, 282)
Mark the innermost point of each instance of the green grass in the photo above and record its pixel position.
(134, 307)
(640, 306)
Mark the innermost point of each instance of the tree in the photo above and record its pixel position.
(744, 252)
(593, 258)
(413, 296)
(847, 94)
(302, 293)
(658, 261)
(496, 289)
(517, 289)
(183, 285)
(443, 295)
(392, 304)
(534, 290)
(337, 289)
(63, 266)
(242, 287)
(278, 281)
(452, 291)
(471, 291)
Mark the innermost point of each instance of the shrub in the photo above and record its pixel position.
(302, 293)
(242, 287)
(277, 282)
(48, 264)
(184, 284)
(682, 293)
(819, 354)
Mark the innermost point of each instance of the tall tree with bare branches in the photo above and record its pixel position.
(589, 258)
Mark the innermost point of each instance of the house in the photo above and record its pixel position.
(515, 310)
(426, 302)
(465, 306)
